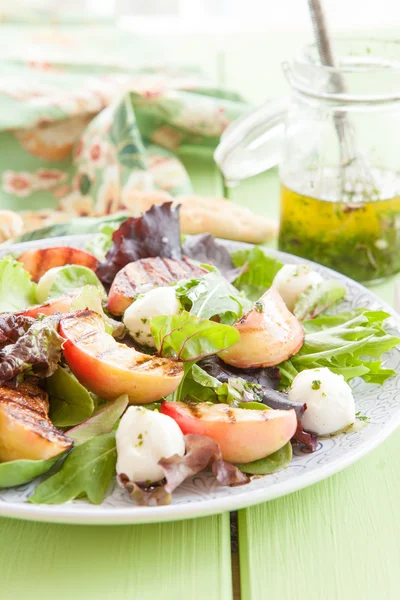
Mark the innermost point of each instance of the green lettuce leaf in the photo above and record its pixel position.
(318, 298)
(17, 291)
(38, 350)
(90, 297)
(200, 386)
(102, 422)
(70, 402)
(17, 472)
(74, 227)
(258, 274)
(188, 338)
(72, 277)
(347, 344)
(87, 470)
(211, 295)
(100, 243)
(270, 464)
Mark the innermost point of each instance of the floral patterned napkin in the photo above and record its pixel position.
(78, 131)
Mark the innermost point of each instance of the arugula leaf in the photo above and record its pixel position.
(211, 295)
(188, 338)
(71, 277)
(102, 422)
(90, 297)
(270, 464)
(17, 291)
(70, 402)
(259, 271)
(318, 298)
(38, 350)
(346, 343)
(88, 470)
(17, 472)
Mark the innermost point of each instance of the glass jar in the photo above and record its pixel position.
(337, 142)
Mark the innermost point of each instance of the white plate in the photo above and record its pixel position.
(202, 495)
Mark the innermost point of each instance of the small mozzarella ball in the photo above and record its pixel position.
(45, 283)
(143, 438)
(11, 225)
(156, 302)
(330, 402)
(292, 280)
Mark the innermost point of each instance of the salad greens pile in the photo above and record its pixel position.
(351, 343)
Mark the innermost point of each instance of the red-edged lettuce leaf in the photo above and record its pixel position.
(201, 452)
(263, 380)
(309, 440)
(145, 495)
(205, 249)
(12, 327)
(188, 338)
(318, 298)
(155, 233)
(37, 351)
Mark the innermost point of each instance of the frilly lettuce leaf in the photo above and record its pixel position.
(350, 344)
(38, 351)
(12, 327)
(17, 291)
(258, 273)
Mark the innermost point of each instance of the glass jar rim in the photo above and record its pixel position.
(360, 61)
(304, 56)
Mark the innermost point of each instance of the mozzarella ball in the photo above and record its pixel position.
(45, 283)
(156, 302)
(330, 402)
(292, 280)
(143, 438)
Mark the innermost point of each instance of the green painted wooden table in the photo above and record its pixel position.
(337, 540)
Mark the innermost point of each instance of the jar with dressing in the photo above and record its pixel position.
(338, 149)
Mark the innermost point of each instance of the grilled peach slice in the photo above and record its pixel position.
(145, 274)
(269, 334)
(37, 262)
(26, 431)
(61, 305)
(243, 435)
(110, 369)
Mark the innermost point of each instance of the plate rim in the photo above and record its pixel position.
(203, 507)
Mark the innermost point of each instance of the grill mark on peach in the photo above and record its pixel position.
(85, 337)
(42, 427)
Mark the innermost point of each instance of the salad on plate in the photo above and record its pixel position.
(146, 358)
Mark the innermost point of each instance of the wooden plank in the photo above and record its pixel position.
(337, 540)
(185, 559)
